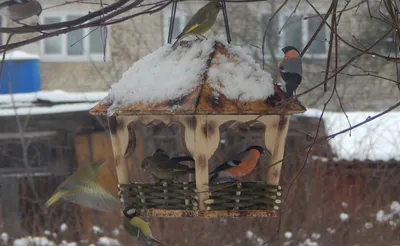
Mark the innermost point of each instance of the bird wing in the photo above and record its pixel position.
(169, 166)
(292, 65)
(182, 158)
(226, 165)
(94, 196)
(232, 162)
(195, 20)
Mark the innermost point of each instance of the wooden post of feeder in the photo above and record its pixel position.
(202, 139)
(120, 140)
(274, 172)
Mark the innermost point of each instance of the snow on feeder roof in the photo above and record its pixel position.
(207, 77)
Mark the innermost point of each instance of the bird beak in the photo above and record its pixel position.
(266, 151)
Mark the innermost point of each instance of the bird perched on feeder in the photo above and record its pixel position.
(137, 227)
(238, 166)
(201, 22)
(17, 10)
(164, 167)
(82, 189)
(290, 70)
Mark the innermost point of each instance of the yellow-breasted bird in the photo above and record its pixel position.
(164, 167)
(137, 227)
(81, 188)
(201, 22)
(290, 70)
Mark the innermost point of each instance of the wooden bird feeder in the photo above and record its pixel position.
(201, 113)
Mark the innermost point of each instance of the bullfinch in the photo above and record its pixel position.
(17, 10)
(238, 166)
(290, 70)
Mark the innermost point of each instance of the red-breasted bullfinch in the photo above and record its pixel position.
(290, 70)
(238, 166)
(164, 167)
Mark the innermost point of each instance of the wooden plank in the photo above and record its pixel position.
(119, 139)
(169, 213)
(278, 149)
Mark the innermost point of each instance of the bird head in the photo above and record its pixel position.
(145, 163)
(289, 48)
(256, 147)
(130, 212)
(214, 5)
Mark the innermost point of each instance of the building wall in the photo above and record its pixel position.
(135, 38)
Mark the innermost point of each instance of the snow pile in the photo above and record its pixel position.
(375, 140)
(4, 238)
(37, 241)
(288, 235)
(63, 227)
(368, 225)
(249, 234)
(344, 217)
(308, 242)
(331, 230)
(106, 241)
(315, 235)
(65, 243)
(97, 230)
(393, 217)
(115, 232)
(56, 96)
(169, 74)
(25, 103)
(20, 55)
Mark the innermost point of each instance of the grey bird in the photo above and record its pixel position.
(164, 167)
(17, 10)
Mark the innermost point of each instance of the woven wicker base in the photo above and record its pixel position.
(169, 213)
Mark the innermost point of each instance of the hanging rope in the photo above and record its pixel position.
(172, 21)
(225, 13)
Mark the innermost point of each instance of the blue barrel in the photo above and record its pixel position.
(20, 74)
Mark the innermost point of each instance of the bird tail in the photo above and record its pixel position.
(213, 177)
(55, 197)
(182, 158)
(289, 92)
(175, 45)
(160, 243)
(191, 170)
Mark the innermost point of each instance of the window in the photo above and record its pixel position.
(389, 47)
(296, 32)
(181, 19)
(45, 151)
(80, 45)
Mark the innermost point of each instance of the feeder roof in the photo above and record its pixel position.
(199, 77)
